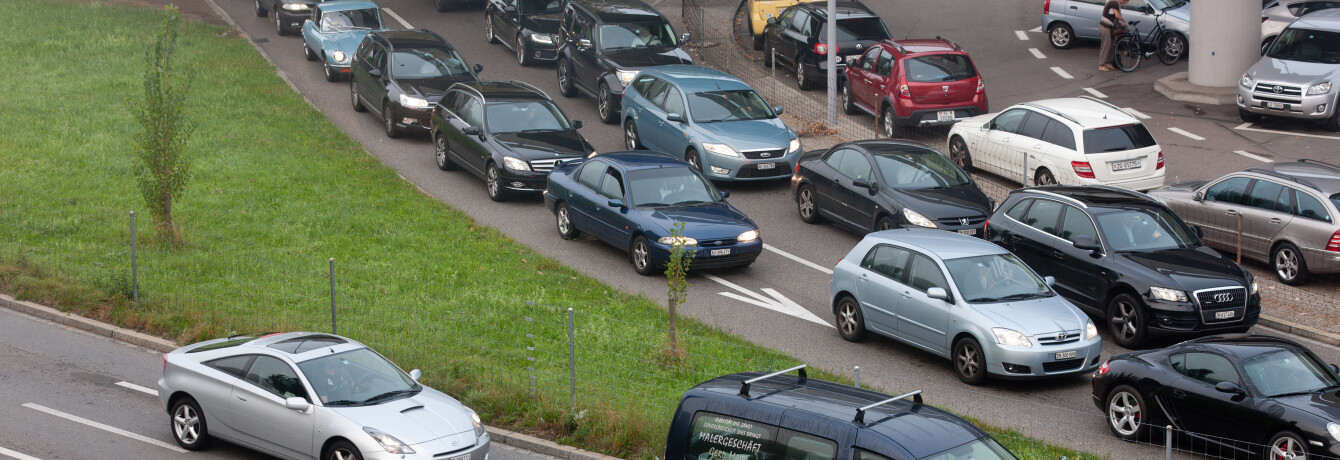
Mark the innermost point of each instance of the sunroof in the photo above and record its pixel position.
(304, 344)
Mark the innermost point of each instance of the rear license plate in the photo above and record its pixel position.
(1067, 354)
(1275, 105)
(721, 252)
(944, 115)
(971, 231)
(1124, 165)
(767, 165)
(1225, 314)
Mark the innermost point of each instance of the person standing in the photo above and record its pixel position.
(1111, 20)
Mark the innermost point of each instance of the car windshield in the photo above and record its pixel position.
(637, 35)
(523, 117)
(1335, 200)
(335, 21)
(856, 29)
(1145, 230)
(919, 170)
(1117, 138)
(429, 63)
(675, 186)
(541, 6)
(940, 68)
(714, 106)
(356, 377)
(981, 449)
(995, 278)
(1307, 45)
(1285, 371)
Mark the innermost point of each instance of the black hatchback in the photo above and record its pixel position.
(1126, 258)
(401, 75)
(878, 185)
(799, 38)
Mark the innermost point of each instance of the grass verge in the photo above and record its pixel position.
(278, 190)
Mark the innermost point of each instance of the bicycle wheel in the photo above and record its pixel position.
(1171, 47)
(1128, 53)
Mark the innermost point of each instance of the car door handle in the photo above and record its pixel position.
(907, 294)
(1057, 254)
(240, 398)
(865, 277)
(1074, 7)
(1179, 394)
(1276, 220)
(1231, 212)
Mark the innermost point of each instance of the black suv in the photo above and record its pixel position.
(602, 44)
(289, 14)
(509, 133)
(799, 38)
(528, 27)
(401, 74)
(1127, 259)
(751, 416)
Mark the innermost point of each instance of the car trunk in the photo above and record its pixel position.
(945, 79)
(1121, 153)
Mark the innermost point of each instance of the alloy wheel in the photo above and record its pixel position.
(564, 221)
(488, 29)
(641, 255)
(806, 203)
(1287, 448)
(1286, 263)
(694, 161)
(520, 49)
(342, 454)
(1044, 178)
(888, 123)
(1060, 37)
(967, 360)
(186, 424)
(800, 75)
(630, 135)
(1124, 414)
(603, 105)
(847, 315)
(441, 144)
(884, 224)
(491, 181)
(958, 152)
(1127, 321)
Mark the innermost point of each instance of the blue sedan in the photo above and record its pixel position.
(334, 31)
(631, 200)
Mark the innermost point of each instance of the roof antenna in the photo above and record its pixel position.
(914, 27)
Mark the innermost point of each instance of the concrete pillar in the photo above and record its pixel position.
(1225, 41)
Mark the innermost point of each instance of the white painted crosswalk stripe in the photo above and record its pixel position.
(1037, 54)
(1021, 34)
(1096, 93)
(1062, 73)
(138, 388)
(17, 455)
(104, 427)
(1187, 134)
(1137, 113)
(1253, 156)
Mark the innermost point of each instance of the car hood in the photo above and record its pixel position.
(744, 135)
(1324, 404)
(1293, 72)
(539, 146)
(974, 122)
(346, 41)
(1190, 269)
(633, 59)
(950, 202)
(431, 87)
(704, 222)
(542, 23)
(424, 417)
(1182, 12)
(1033, 317)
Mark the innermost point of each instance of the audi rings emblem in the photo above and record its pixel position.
(1224, 297)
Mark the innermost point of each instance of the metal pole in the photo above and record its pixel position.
(134, 267)
(858, 376)
(333, 330)
(774, 73)
(832, 63)
(1167, 441)
(572, 363)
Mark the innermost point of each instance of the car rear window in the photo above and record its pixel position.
(857, 29)
(940, 68)
(1117, 138)
(304, 344)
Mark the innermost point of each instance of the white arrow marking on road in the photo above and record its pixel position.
(398, 18)
(1187, 134)
(1021, 34)
(778, 303)
(1253, 156)
(1037, 54)
(1062, 73)
(107, 428)
(20, 456)
(138, 388)
(1136, 113)
(1037, 29)
(1096, 93)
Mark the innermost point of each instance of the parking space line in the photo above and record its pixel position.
(1037, 29)
(1187, 134)
(138, 388)
(1253, 156)
(1248, 127)
(797, 259)
(1062, 73)
(1037, 54)
(18, 455)
(1096, 93)
(398, 18)
(107, 428)
(1137, 113)
(1021, 34)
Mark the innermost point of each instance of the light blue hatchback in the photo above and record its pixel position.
(334, 31)
(711, 120)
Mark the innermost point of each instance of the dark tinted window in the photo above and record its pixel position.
(1335, 200)
(302, 344)
(233, 365)
(1310, 207)
(642, 83)
(522, 117)
(1117, 138)
(1044, 215)
(540, 6)
(637, 35)
(276, 377)
(1307, 45)
(674, 101)
(430, 63)
(655, 91)
(452, 101)
(856, 29)
(802, 446)
(591, 173)
(926, 274)
(888, 261)
(1302, 8)
(939, 68)
(1265, 195)
(472, 113)
(1034, 125)
(1010, 120)
(855, 166)
(1017, 212)
(1206, 367)
(862, 454)
(1076, 224)
(835, 159)
(868, 59)
(1145, 230)
(885, 64)
(923, 169)
(612, 186)
(800, 21)
(1059, 134)
(1228, 191)
(718, 436)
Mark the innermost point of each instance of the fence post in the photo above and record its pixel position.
(572, 363)
(134, 267)
(1167, 441)
(858, 376)
(333, 330)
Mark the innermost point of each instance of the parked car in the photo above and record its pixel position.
(799, 38)
(450, 5)
(1251, 394)
(289, 14)
(964, 299)
(914, 83)
(528, 27)
(711, 120)
(757, 13)
(1288, 215)
(1066, 21)
(602, 44)
(1073, 141)
(752, 416)
(509, 133)
(879, 185)
(401, 75)
(1278, 14)
(632, 200)
(311, 395)
(1294, 78)
(335, 30)
(1124, 257)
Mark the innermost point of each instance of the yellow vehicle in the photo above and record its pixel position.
(760, 10)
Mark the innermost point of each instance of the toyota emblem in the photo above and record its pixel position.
(1060, 337)
(1224, 297)
(765, 154)
(963, 221)
(1278, 89)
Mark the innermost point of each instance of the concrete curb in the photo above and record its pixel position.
(1178, 88)
(1299, 329)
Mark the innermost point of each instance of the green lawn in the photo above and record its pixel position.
(278, 190)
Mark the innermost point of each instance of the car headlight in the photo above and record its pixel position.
(515, 164)
(1171, 295)
(388, 442)
(340, 57)
(626, 76)
(1090, 331)
(721, 149)
(1319, 88)
(678, 241)
(593, 153)
(1247, 81)
(295, 6)
(542, 38)
(1334, 429)
(1011, 337)
(794, 146)
(413, 102)
(748, 236)
(1253, 288)
(915, 218)
(479, 424)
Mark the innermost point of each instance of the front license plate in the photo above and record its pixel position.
(971, 231)
(1275, 105)
(460, 457)
(1225, 314)
(944, 115)
(721, 252)
(1067, 354)
(1124, 165)
(767, 165)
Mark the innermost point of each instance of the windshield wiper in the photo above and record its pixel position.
(1023, 296)
(389, 394)
(341, 402)
(692, 203)
(983, 299)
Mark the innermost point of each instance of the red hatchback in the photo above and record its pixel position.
(921, 82)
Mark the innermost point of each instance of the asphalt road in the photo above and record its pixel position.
(799, 256)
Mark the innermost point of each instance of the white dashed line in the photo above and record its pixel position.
(1136, 113)
(138, 388)
(107, 428)
(1254, 156)
(1062, 73)
(1037, 29)
(1096, 93)
(1248, 127)
(1021, 34)
(1037, 54)
(9, 453)
(797, 259)
(398, 18)
(1187, 134)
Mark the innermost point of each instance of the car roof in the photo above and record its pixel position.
(632, 160)
(413, 39)
(615, 10)
(1084, 111)
(511, 90)
(1328, 19)
(1320, 176)
(844, 8)
(925, 45)
(920, 429)
(344, 5)
(694, 79)
(943, 244)
(293, 344)
(1090, 195)
(1243, 346)
(890, 146)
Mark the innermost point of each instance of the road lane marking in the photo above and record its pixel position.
(1096, 93)
(1184, 133)
(18, 455)
(1037, 29)
(107, 428)
(138, 388)
(1253, 156)
(1136, 113)
(1037, 54)
(1248, 127)
(1062, 73)
(398, 18)
(798, 259)
(1021, 34)
(778, 302)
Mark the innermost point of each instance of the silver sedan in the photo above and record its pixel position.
(305, 395)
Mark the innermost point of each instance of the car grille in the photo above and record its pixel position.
(544, 166)
(1216, 301)
(1054, 338)
(761, 154)
(1063, 365)
(715, 243)
(1278, 93)
(958, 221)
(752, 171)
(723, 260)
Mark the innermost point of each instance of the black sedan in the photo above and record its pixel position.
(882, 184)
(1251, 394)
(289, 14)
(401, 74)
(507, 132)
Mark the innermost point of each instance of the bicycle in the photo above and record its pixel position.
(1130, 49)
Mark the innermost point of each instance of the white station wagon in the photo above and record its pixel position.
(1072, 141)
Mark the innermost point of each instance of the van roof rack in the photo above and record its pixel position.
(1280, 175)
(860, 413)
(951, 42)
(1110, 105)
(744, 386)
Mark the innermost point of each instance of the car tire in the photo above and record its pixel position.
(640, 254)
(279, 25)
(1287, 262)
(1044, 177)
(189, 427)
(353, 97)
(693, 159)
(444, 5)
(801, 81)
(631, 141)
(261, 12)
(307, 51)
(1286, 444)
(805, 205)
(757, 40)
(493, 183)
(959, 154)
(442, 150)
(885, 223)
(342, 450)
(388, 121)
(605, 105)
(563, 221)
(489, 36)
(1249, 117)
(332, 75)
(1333, 123)
(1061, 36)
(848, 103)
(850, 321)
(1125, 410)
(566, 86)
(1171, 48)
(1126, 321)
(969, 362)
(888, 123)
(523, 55)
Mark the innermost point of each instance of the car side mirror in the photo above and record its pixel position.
(937, 293)
(873, 188)
(509, 9)
(584, 43)
(297, 404)
(725, 194)
(1146, 9)
(685, 37)
(772, 21)
(777, 109)
(415, 374)
(860, 183)
(1229, 387)
(675, 117)
(616, 204)
(576, 124)
(375, 73)
(1200, 232)
(472, 131)
(479, 68)
(1199, 196)
(1087, 243)
(1334, 368)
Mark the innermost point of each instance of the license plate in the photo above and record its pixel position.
(971, 231)
(1124, 165)
(1225, 314)
(460, 457)
(721, 252)
(1275, 105)
(1067, 354)
(767, 165)
(944, 115)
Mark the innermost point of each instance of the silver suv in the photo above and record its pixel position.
(1295, 76)
(1290, 215)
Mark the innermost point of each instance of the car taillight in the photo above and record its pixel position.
(822, 48)
(1047, 7)
(904, 92)
(981, 86)
(797, 167)
(985, 225)
(1082, 169)
(1160, 164)
(1102, 370)
(1334, 245)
